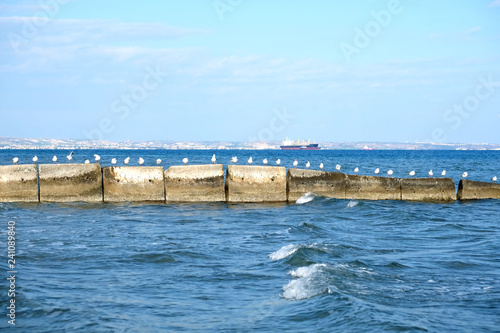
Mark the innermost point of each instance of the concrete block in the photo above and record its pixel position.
(18, 183)
(195, 183)
(70, 182)
(133, 183)
(372, 188)
(246, 183)
(469, 189)
(327, 184)
(428, 189)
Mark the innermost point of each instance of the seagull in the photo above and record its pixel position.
(443, 173)
(158, 161)
(185, 160)
(113, 161)
(87, 161)
(412, 173)
(54, 159)
(15, 160)
(125, 161)
(431, 173)
(356, 170)
(264, 161)
(234, 159)
(140, 161)
(377, 170)
(494, 179)
(337, 167)
(69, 157)
(308, 164)
(250, 160)
(97, 157)
(295, 163)
(464, 175)
(278, 161)
(390, 172)
(213, 159)
(35, 159)
(321, 166)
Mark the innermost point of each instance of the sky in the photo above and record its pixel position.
(241, 70)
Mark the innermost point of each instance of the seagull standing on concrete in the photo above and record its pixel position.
(443, 173)
(250, 160)
(356, 170)
(412, 173)
(431, 173)
(494, 179)
(213, 159)
(54, 159)
(308, 165)
(125, 161)
(337, 167)
(185, 160)
(69, 157)
(295, 163)
(140, 161)
(158, 161)
(35, 159)
(321, 166)
(87, 162)
(97, 157)
(464, 175)
(234, 159)
(15, 160)
(113, 161)
(264, 161)
(377, 171)
(390, 172)
(278, 161)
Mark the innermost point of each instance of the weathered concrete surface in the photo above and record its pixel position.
(428, 189)
(328, 184)
(246, 183)
(70, 182)
(133, 183)
(469, 189)
(195, 183)
(18, 183)
(372, 188)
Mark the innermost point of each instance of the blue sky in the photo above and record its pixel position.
(240, 70)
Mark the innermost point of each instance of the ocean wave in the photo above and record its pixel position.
(308, 197)
(311, 281)
(352, 203)
(284, 252)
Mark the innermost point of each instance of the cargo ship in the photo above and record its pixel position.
(297, 145)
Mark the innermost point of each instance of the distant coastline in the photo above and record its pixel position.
(27, 143)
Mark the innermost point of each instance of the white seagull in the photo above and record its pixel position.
(494, 179)
(113, 161)
(185, 160)
(412, 173)
(308, 165)
(464, 175)
(87, 162)
(35, 159)
(264, 161)
(278, 161)
(158, 161)
(443, 173)
(54, 159)
(295, 163)
(140, 161)
(337, 167)
(321, 166)
(97, 157)
(70, 157)
(234, 159)
(390, 172)
(213, 159)
(250, 160)
(356, 170)
(431, 173)
(15, 160)
(126, 161)
(377, 170)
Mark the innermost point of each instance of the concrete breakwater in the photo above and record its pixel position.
(206, 183)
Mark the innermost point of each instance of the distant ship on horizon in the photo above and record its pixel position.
(368, 148)
(288, 144)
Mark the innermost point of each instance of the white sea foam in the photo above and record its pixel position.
(309, 196)
(284, 252)
(351, 204)
(311, 282)
(306, 271)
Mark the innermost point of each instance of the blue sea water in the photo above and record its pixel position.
(320, 265)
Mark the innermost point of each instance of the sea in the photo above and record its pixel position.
(315, 265)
